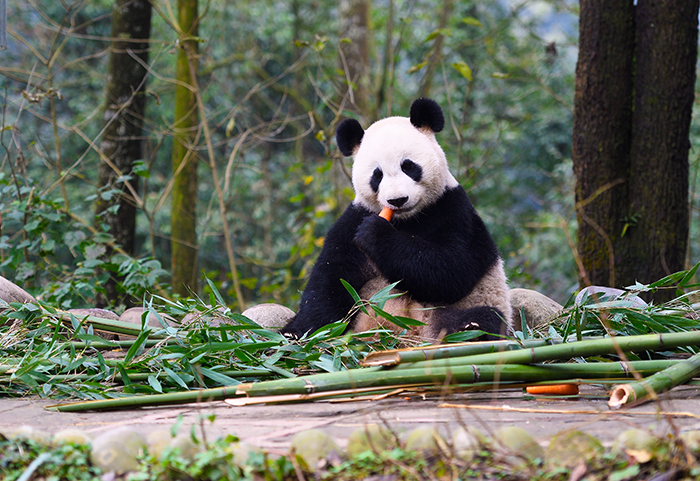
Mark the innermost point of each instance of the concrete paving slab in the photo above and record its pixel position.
(272, 426)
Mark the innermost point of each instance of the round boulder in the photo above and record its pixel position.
(118, 450)
(11, 292)
(569, 449)
(315, 448)
(537, 308)
(269, 315)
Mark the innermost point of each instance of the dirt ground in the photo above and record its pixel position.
(272, 426)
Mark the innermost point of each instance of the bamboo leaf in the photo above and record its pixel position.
(463, 69)
(155, 383)
(136, 346)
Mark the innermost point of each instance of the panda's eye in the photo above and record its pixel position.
(377, 176)
(411, 169)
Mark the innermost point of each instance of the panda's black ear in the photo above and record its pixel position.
(427, 113)
(348, 136)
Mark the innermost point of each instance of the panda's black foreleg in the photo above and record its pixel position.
(483, 318)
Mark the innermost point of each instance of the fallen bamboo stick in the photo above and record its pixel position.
(569, 350)
(427, 353)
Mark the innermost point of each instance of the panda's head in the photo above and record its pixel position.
(397, 162)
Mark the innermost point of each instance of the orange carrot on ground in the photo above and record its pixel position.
(386, 213)
(554, 389)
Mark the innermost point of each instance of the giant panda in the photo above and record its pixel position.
(436, 246)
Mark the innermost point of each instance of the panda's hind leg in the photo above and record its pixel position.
(448, 320)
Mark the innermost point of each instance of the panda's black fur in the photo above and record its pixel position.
(437, 255)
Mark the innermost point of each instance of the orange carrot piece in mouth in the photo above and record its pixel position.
(386, 213)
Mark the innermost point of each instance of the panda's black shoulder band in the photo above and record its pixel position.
(348, 136)
(427, 113)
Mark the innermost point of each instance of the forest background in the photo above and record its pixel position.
(273, 79)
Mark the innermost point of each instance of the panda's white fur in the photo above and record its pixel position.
(436, 247)
(385, 144)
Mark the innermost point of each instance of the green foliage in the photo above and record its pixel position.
(23, 458)
(273, 93)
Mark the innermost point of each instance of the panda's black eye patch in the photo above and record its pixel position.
(411, 169)
(377, 176)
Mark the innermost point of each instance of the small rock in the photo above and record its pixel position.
(28, 432)
(598, 293)
(185, 445)
(157, 441)
(118, 450)
(242, 451)
(467, 442)
(692, 440)
(639, 444)
(516, 445)
(134, 315)
(94, 311)
(269, 315)
(425, 440)
(569, 449)
(71, 436)
(537, 308)
(374, 438)
(315, 448)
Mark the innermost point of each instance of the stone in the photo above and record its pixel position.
(425, 440)
(157, 441)
(692, 440)
(11, 292)
(118, 450)
(133, 315)
(241, 451)
(537, 308)
(71, 436)
(95, 312)
(572, 448)
(315, 448)
(639, 444)
(269, 315)
(467, 442)
(374, 437)
(516, 445)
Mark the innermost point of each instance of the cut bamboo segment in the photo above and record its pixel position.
(553, 389)
(635, 393)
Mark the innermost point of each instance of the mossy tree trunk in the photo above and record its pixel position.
(183, 218)
(122, 140)
(354, 52)
(634, 93)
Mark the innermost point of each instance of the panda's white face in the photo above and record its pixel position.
(399, 166)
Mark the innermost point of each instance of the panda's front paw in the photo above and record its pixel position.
(370, 232)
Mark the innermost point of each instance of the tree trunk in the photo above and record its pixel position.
(124, 110)
(183, 218)
(354, 26)
(602, 128)
(632, 108)
(666, 56)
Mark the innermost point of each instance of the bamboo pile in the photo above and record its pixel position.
(499, 365)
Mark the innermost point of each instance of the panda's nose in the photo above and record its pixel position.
(398, 202)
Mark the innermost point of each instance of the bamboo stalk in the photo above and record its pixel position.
(569, 350)
(426, 353)
(462, 374)
(195, 396)
(635, 393)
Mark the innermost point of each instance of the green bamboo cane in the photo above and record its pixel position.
(185, 397)
(569, 350)
(416, 354)
(463, 374)
(641, 391)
